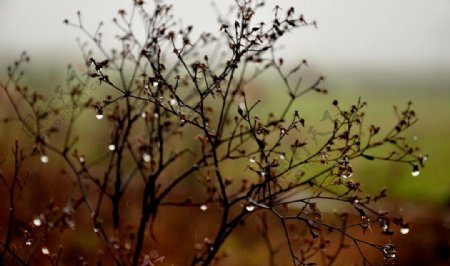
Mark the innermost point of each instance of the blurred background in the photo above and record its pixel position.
(387, 52)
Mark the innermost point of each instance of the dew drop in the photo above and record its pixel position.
(37, 221)
(96, 230)
(203, 207)
(45, 251)
(144, 114)
(173, 102)
(252, 159)
(415, 170)
(389, 251)
(44, 158)
(155, 115)
(155, 83)
(99, 116)
(347, 174)
(28, 242)
(282, 156)
(68, 210)
(404, 230)
(82, 159)
(242, 106)
(111, 147)
(250, 207)
(146, 157)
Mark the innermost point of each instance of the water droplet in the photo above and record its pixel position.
(389, 251)
(385, 227)
(28, 242)
(146, 157)
(242, 106)
(111, 147)
(128, 245)
(203, 207)
(282, 156)
(250, 207)
(252, 159)
(45, 251)
(415, 171)
(283, 131)
(347, 174)
(144, 114)
(68, 210)
(404, 230)
(44, 158)
(96, 230)
(37, 221)
(155, 83)
(82, 159)
(155, 115)
(173, 102)
(99, 116)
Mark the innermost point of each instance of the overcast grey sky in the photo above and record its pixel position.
(355, 33)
